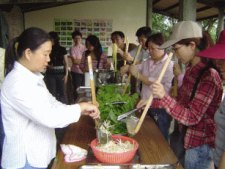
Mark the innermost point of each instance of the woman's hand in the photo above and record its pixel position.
(90, 110)
(141, 103)
(120, 51)
(126, 56)
(133, 70)
(158, 90)
(124, 69)
(65, 79)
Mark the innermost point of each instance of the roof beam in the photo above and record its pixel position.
(208, 17)
(213, 3)
(39, 1)
(203, 8)
(164, 13)
(170, 7)
(155, 2)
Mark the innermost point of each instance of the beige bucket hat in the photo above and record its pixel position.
(183, 30)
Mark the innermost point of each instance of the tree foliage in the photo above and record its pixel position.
(164, 24)
(210, 25)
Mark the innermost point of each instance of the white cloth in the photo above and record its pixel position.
(73, 153)
(30, 114)
(2, 63)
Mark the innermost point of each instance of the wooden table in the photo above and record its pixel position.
(153, 148)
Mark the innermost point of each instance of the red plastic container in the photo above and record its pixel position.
(115, 158)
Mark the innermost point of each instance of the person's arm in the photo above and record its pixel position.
(66, 65)
(136, 73)
(126, 56)
(193, 111)
(124, 69)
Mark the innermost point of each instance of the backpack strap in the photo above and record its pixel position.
(197, 81)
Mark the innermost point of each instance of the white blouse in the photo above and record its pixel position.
(30, 114)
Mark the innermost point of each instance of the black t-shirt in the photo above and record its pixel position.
(57, 55)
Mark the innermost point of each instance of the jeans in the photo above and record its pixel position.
(198, 157)
(162, 120)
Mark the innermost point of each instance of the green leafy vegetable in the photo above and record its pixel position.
(112, 93)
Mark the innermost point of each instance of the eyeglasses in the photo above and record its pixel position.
(175, 49)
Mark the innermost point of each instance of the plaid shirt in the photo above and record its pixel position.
(197, 114)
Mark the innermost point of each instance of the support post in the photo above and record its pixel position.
(149, 13)
(220, 20)
(187, 10)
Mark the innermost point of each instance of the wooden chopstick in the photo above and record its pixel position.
(92, 84)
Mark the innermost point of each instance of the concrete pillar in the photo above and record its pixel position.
(15, 21)
(220, 20)
(149, 13)
(187, 10)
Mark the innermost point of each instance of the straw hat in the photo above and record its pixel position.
(217, 51)
(183, 30)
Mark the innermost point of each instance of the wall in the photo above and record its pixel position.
(127, 15)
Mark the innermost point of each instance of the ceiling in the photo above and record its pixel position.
(205, 8)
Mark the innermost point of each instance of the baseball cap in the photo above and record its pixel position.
(183, 30)
(217, 51)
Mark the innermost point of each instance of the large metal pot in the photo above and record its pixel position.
(104, 76)
(87, 79)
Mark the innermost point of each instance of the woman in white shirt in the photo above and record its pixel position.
(29, 112)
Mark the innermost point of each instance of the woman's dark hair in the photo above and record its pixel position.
(30, 38)
(119, 33)
(76, 33)
(157, 38)
(55, 37)
(145, 30)
(94, 41)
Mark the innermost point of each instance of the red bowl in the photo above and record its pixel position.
(115, 158)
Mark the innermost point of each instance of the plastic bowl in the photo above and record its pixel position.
(115, 158)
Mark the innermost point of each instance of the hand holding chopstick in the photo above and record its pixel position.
(92, 84)
(135, 60)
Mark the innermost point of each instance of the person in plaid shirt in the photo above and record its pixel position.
(217, 52)
(196, 113)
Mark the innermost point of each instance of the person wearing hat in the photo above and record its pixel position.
(217, 52)
(199, 96)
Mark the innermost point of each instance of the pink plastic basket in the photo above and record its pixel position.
(115, 158)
